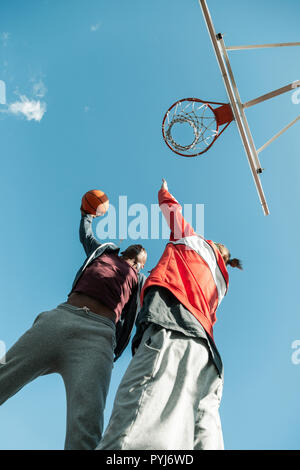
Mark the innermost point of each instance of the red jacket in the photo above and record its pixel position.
(191, 267)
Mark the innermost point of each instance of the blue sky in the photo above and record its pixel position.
(94, 80)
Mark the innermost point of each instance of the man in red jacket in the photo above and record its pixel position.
(170, 394)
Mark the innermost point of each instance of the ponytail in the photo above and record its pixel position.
(235, 263)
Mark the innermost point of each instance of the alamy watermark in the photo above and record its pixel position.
(296, 93)
(137, 221)
(2, 92)
(2, 352)
(296, 354)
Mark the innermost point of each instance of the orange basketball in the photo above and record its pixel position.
(95, 202)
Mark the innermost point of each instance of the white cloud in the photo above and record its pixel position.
(4, 38)
(31, 109)
(95, 27)
(39, 89)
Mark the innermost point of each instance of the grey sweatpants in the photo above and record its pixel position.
(168, 398)
(77, 344)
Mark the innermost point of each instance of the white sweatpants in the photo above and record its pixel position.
(168, 398)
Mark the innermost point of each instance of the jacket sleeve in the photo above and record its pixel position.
(172, 212)
(127, 321)
(86, 235)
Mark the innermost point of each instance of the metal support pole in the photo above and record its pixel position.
(262, 46)
(278, 134)
(240, 105)
(272, 94)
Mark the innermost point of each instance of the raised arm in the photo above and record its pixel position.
(86, 235)
(172, 212)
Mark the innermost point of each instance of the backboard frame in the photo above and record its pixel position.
(238, 108)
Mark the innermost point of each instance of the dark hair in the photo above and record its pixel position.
(235, 263)
(133, 251)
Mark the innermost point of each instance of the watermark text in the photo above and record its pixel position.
(2, 92)
(2, 352)
(296, 93)
(296, 353)
(137, 221)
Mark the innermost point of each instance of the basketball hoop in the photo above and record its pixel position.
(200, 119)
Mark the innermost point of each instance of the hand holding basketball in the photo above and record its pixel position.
(94, 202)
(83, 213)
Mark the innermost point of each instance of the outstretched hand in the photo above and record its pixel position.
(164, 184)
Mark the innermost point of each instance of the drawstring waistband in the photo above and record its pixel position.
(85, 311)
